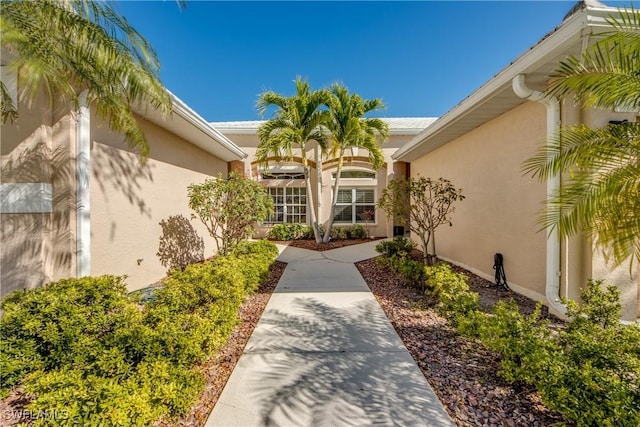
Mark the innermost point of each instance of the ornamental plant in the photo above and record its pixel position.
(93, 354)
(422, 204)
(229, 208)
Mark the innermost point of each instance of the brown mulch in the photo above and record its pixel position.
(218, 369)
(333, 244)
(462, 372)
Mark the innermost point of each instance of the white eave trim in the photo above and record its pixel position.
(559, 39)
(187, 113)
(190, 126)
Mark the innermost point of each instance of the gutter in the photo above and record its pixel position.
(552, 287)
(550, 46)
(184, 111)
(83, 191)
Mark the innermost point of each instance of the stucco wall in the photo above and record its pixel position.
(36, 234)
(501, 207)
(381, 228)
(129, 201)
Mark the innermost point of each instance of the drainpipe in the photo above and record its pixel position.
(552, 288)
(83, 174)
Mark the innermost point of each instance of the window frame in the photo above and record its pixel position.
(354, 217)
(286, 213)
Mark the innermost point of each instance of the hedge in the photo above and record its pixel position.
(87, 349)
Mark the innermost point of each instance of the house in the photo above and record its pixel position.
(75, 200)
(481, 144)
(360, 185)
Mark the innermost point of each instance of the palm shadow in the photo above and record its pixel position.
(337, 366)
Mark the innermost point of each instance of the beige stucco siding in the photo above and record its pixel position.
(381, 228)
(499, 213)
(36, 243)
(129, 200)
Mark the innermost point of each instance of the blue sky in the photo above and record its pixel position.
(421, 57)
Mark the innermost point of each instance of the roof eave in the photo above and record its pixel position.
(548, 47)
(197, 130)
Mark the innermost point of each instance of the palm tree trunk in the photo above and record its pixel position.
(334, 201)
(311, 205)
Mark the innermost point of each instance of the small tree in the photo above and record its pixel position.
(229, 208)
(422, 204)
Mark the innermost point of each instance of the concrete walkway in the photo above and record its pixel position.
(325, 354)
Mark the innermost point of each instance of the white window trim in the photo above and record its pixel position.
(284, 205)
(353, 204)
(372, 180)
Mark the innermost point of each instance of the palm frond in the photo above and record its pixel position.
(607, 74)
(600, 190)
(69, 46)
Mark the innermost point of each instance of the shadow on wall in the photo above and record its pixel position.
(37, 246)
(180, 244)
(122, 171)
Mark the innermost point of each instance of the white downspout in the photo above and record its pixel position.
(83, 174)
(552, 288)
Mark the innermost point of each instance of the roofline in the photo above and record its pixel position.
(183, 110)
(251, 130)
(556, 40)
(183, 121)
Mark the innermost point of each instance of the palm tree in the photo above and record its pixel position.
(68, 47)
(297, 122)
(601, 194)
(349, 129)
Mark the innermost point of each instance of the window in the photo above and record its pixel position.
(282, 172)
(282, 175)
(289, 204)
(358, 174)
(352, 203)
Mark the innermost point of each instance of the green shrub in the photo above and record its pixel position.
(339, 233)
(253, 260)
(589, 371)
(456, 301)
(86, 349)
(290, 231)
(357, 231)
(63, 324)
(597, 380)
(524, 342)
(400, 246)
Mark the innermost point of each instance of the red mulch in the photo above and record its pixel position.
(462, 372)
(333, 244)
(218, 369)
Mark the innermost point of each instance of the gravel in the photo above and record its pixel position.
(217, 370)
(462, 372)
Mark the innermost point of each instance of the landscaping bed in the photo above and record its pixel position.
(462, 372)
(332, 244)
(84, 351)
(218, 369)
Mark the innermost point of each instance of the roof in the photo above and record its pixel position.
(496, 96)
(397, 125)
(189, 125)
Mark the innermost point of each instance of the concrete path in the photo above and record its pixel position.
(325, 354)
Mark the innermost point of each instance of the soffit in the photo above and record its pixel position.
(496, 96)
(188, 125)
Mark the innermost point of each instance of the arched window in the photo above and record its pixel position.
(355, 174)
